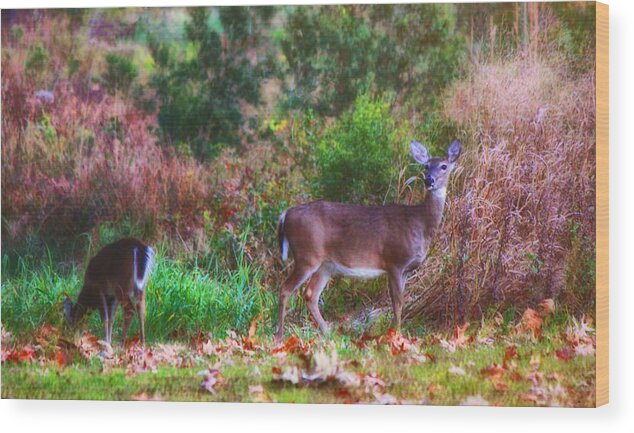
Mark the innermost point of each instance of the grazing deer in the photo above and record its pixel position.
(117, 275)
(329, 239)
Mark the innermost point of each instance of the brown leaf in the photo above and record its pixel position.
(565, 354)
(532, 321)
(145, 397)
(510, 353)
(293, 345)
(398, 343)
(516, 377)
(493, 371)
(500, 386)
(26, 354)
(63, 358)
(530, 397)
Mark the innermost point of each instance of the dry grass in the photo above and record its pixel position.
(520, 221)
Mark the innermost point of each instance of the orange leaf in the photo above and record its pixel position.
(292, 345)
(62, 358)
(493, 371)
(510, 353)
(532, 321)
(565, 354)
(27, 354)
(499, 386)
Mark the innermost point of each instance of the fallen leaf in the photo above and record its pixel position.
(585, 349)
(565, 354)
(384, 398)
(510, 352)
(213, 378)
(62, 358)
(493, 371)
(458, 371)
(500, 386)
(532, 321)
(26, 354)
(474, 400)
(145, 397)
(292, 345)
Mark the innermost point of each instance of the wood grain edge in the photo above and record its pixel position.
(602, 204)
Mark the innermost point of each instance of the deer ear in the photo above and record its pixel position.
(454, 151)
(419, 152)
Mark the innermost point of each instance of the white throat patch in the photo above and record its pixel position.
(440, 192)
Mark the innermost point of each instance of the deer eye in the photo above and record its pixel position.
(444, 166)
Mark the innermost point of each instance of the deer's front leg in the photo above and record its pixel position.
(300, 274)
(397, 289)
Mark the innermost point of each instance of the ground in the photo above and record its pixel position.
(541, 360)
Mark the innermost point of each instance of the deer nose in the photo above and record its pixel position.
(429, 181)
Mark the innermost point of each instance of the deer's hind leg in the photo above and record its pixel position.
(300, 274)
(312, 293)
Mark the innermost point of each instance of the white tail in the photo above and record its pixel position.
(143, 266)
(329, 239)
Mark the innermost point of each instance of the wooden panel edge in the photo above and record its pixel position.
(602, 204)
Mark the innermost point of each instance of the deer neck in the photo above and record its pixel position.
(432, 209)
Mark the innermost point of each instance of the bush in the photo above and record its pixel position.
(120, 73)
(356, 159)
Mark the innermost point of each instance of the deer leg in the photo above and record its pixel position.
(313, 291)
(141, 313)
(105, 317)
(292, 283)
(111, 313)
(128, 315)
(397, 286)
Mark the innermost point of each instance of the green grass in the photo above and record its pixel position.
(182, 299)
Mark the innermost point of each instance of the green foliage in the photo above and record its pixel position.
(37, 61)
(576, 33)
(322, 49)
(120, 73)
(356, 158)
(17, 33)
(201, 88)
(333, 52)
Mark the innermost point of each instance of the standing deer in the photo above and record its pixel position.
(365, 242)
(118, 274)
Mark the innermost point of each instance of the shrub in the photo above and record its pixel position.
(37, 61)
(120, 73)
(356, 159)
